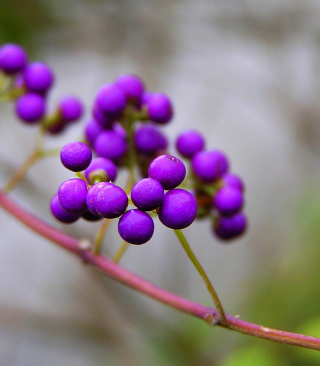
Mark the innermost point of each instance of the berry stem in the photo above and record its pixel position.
(204, 276)
(120, 252)
(100, 236)
(113, 270)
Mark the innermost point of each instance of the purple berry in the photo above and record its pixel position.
(147, 194)
(12, 58)
(104, 120)
(107, 200)
(209, 165)
(159, 108)
(92, 131)
(148, 139)
(228, 201)
(89, 216)
(111, 146)
(38, 77)
(189, 143)
(118, 129)
(234, 181)
(178, 210)
(71, 108)
(76, 156)
(105, 165)
(230, 227)
(168, 170)
(60, 214)
(132, 87)
(111, 100)
(136, 227)
(30, 107)
(72, 195)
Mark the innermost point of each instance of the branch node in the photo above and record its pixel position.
(211, 320)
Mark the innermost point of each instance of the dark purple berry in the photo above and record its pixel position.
(228, 201)
(189, 143)
(92, 131)
(111, 146)
(76, 156)
(136, 227)
(60, 214)
(107, 200)
(209, 165)
(234, 181)
(159, 108)
(178, 210)
(104, 120)
(70, 108)
(230, 227)
(38, 77)
(132, 87)
(111, 100)
(72, 195)
(30, 107)
(89, 216)
(148, 139)
(101, 167)
(168, 170)
(147, 194)
(12, 58)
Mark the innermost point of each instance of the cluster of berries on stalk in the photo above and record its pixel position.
(28, 84)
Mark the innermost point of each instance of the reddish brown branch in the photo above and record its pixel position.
(140, 284)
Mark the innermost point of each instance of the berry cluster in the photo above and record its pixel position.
(219, 193)
(96, 196)
(29, 84)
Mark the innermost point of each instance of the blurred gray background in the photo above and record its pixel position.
(246, 74)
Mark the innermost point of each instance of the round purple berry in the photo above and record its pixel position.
(76, 156)
(136, 227)
(72, 195)
(178, 209)
(30, 107)
(189, 143)
(92, 131)
(71, 108)
(60, 214)
(168, 170)
(234, 181)
(12, 58)
(104, 120)
(38, 77)
(107, 200)
(112, 100)
(230, 227)
(104, 168)
(209, 165)
(148, 139)
(147, 194)
(111, 146)
(132, 87)
(159, 108)
(89, 216)
(228, 201)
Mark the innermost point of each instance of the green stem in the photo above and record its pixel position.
(120, 252)
(203, 274)
(100, 235)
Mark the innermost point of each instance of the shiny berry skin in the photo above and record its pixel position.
(111, 146)
(148, 139)
(234, 181)
(76, 156)
(12, 58)
(92, 131)
(38, 77)
(178, 209)
(209, 165)
(71, 108)
(60, 214)
(132, 87)
(159, 108)
(168, 170)
(105, 165)
(72, 196)
(112, 100)
(107, 200)
(91, 198)
(136, 227)
(230, 227)
(147, 194)
(31, 107)
(228, 201)
(189, 143)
